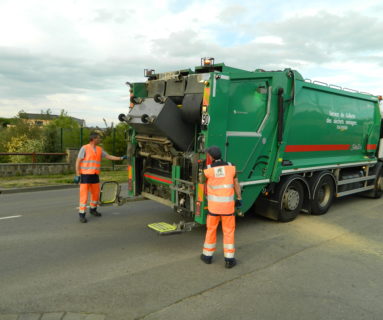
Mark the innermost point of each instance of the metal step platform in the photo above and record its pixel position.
(164, 228)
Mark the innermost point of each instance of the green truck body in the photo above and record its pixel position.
(296, 144)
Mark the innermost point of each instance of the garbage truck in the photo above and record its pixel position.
(296, 144)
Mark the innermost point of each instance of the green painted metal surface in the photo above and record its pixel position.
(322, 126)
(140, 90)
(329, 126)
(176, 170)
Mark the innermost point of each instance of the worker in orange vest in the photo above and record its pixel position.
(221, 185)
(88, 166)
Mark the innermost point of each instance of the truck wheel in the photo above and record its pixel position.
(378, 191)
(323, 196)
(290, 200)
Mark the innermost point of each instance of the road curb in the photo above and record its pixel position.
(34, 189)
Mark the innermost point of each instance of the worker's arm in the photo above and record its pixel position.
(237, 189)
(77, 178)
(109, 157)
(78, 161)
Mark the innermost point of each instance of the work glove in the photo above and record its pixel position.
(238, 204)
(124, 157)
(77, 179)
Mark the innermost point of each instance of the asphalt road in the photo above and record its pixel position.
(316, 267)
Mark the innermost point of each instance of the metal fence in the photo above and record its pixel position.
(75, 138)
(56, 141)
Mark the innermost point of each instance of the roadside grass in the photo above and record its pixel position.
(54, 179)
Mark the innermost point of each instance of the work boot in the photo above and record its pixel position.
(94, 212)
(82, 218)
(206, 259)
(230, 263)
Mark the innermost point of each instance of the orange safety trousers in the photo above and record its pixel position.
(228, 229)
(94, 189)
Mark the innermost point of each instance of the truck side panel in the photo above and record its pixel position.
(328, 127)
(243, 124)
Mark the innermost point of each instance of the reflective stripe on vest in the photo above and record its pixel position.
(89, 168)
(90, 161)
(220, 199)
(222, 186)
(91, 164)
(220, 189)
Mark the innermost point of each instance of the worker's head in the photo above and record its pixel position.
(95, 137)
(214, 152)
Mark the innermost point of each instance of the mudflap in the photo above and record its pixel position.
(110, 194)
(267, 208)
(164, 228)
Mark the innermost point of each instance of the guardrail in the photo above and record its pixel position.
(32, 154)
(334, 86)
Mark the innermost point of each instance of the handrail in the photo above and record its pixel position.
(259, 131)
(334, 86)
(321, 83)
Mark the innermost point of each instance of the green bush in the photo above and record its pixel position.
(17, 134)
(61, 133)
(23, 144)
(120, 143)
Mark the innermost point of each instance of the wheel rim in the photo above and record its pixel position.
(324, 194)
(291, 199)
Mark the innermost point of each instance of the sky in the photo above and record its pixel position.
(76, 55)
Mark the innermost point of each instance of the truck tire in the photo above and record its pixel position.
(290, 198)
(378, 191)
(323, 195)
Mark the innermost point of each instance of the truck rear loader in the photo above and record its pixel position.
(296, 144)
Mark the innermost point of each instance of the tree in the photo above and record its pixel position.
(61, 133)
(65, 121)
(119, 138)
(43, 139)
(19, 128)
(47, 114)
(4, 122)
(21, 115)
(14, 138)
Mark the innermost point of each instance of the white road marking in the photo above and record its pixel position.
(10, 217)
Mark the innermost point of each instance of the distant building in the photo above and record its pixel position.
(40, 120)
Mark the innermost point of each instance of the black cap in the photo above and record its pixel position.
(214, 151)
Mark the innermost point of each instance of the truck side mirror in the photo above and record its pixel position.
(110, 193)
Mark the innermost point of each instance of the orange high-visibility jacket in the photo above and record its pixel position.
(91, 164)
(220, 189)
